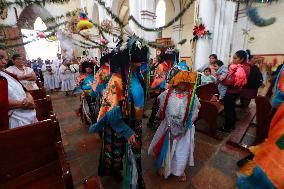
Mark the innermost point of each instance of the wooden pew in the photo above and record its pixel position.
(209, 110)
(262, 111)
(94, 182)
(32, 157)
(38, 94)
(43, 108)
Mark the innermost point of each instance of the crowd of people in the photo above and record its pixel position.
(116, 90)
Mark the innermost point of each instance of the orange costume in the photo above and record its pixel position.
(266, 171)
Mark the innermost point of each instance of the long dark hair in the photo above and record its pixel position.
(249, 56)
(242, 55)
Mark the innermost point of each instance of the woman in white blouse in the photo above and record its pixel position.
(25, 74)
(21, 103)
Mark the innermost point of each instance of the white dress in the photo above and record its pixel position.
(181, 148)
(67, 78)
(29, 85)
(57, 63)
(49, 75)
(18, 117)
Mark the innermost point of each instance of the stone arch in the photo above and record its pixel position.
(30, 14)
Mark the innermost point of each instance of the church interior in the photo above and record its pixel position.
(136, 94)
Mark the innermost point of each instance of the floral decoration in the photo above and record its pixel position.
(199, 31)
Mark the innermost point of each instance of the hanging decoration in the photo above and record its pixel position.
(41, 35)
(25, 3)
(51, 38)
(199, 31)
(3, 10)
(176, 18)
(84, 22)
(107, 25)
(257, 20)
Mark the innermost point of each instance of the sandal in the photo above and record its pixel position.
(182, 178)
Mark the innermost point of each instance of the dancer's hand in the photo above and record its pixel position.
(132, 139)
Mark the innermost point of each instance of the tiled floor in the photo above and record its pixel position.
(215, 163)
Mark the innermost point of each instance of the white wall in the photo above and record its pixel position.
(269, 39)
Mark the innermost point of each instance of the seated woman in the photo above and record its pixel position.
(25, 74)
(20, 110)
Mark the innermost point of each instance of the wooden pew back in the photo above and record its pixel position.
(43, 108)
(205, 92)
(38, 94)
(28, 148)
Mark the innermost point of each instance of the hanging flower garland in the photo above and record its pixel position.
(199, 31)
(25, 3)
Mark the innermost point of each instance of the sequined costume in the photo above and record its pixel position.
(120, 115)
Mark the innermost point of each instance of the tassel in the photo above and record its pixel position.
(163, 153)
(189, 120)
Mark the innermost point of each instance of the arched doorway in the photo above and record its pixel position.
(31, 23)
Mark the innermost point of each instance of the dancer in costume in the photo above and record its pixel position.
(83, 86)
(173, 143)
(168, 59)
(278, 96)
(266, 169)
(120, 115)
(101, 78)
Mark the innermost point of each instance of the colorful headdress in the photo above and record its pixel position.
(177, 75)
(87, 64)
(138, 51)
(84, 22)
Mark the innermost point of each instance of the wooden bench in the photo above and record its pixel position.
(93, 182)
(32, 157)
(38, 94)
(262, 111)
(43, 108)
(209, 110)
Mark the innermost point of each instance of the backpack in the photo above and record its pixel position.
(255, 79)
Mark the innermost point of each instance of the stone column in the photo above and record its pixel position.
(177, 32)
(204, 46)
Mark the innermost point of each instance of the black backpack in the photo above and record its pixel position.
(255, 79)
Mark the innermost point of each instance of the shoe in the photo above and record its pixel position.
(222, 129)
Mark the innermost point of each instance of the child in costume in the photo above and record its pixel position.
(221, 72)
(173, 143)
(120, 116)
(207, 77)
